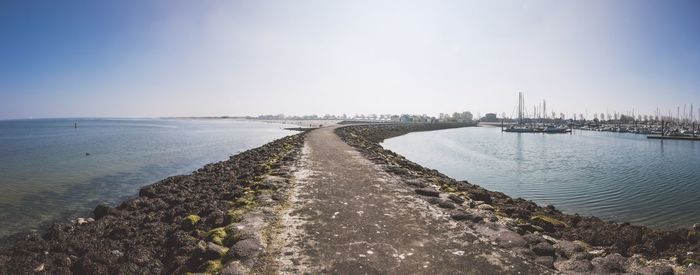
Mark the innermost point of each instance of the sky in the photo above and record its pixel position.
(212, 58)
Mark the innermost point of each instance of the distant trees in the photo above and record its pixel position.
(463, 117)
(457, 117)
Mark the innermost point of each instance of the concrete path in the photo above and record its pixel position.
(347, 216)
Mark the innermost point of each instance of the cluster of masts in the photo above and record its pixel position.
(684, 117)
(539, 112)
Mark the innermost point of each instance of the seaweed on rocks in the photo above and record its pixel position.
(174, 226)
(679, 247)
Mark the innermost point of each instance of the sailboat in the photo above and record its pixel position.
(520, 127)
(556, 130)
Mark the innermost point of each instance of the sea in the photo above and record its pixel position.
(58, 169)
(619, 177)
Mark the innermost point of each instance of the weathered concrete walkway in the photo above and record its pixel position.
(346, 216)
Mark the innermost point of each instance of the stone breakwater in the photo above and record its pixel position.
(226, 218)
(213, 220)
(564, 242)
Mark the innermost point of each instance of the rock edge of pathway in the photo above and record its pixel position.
(216, 220)
(565, 242)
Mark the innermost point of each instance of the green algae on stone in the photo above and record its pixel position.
(233, 235)
(190, 221)
(245, 201)
(210, 267)
(234, 215)
(217, 235)
(547, 223)
(215, 251)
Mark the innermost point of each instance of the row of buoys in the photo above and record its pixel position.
(75, 126)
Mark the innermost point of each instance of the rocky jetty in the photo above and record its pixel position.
(565, 242)
(207, 221)
(226, 218)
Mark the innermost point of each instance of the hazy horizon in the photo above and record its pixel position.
(218, 58)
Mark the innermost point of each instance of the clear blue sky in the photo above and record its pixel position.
(202, 58)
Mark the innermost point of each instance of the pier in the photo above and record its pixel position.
(673, 137)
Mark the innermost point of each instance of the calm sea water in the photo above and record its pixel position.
(620, 177)
(45, 173)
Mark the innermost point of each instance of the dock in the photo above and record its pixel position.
(673, 137)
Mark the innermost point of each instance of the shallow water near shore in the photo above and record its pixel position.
(618, 177)
(45, 173)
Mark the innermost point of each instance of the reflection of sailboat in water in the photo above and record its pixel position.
(520, 127)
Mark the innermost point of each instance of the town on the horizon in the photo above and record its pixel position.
(684, 115)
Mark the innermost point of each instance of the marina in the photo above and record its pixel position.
(614, 176)
(537, 124)
(683, 126)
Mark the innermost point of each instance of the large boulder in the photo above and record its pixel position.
(246, 250)
(480, 195)
(104, 210)
(543, 249)
(533, 239)
(547, 223)
(214, 251)
(233, 268)
(547, 261)
(659, 270)
(567, 248)
(456, 199)
(416, 183)
(509, 239)
(190, 221)
(613, 263)
(427, 191)
(446, 204)
(461, 215)
(581, 266)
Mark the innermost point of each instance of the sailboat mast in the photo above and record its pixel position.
(520, 107)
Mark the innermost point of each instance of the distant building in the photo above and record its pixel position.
(490, 117)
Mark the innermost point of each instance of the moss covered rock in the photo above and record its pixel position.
(693, 236)
(190, 221)
(234, 215)
(214, 251)
(549, 224)
(233, 235)
(217, 235)
(210, 267)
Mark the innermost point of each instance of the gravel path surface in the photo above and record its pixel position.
(347, 216)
